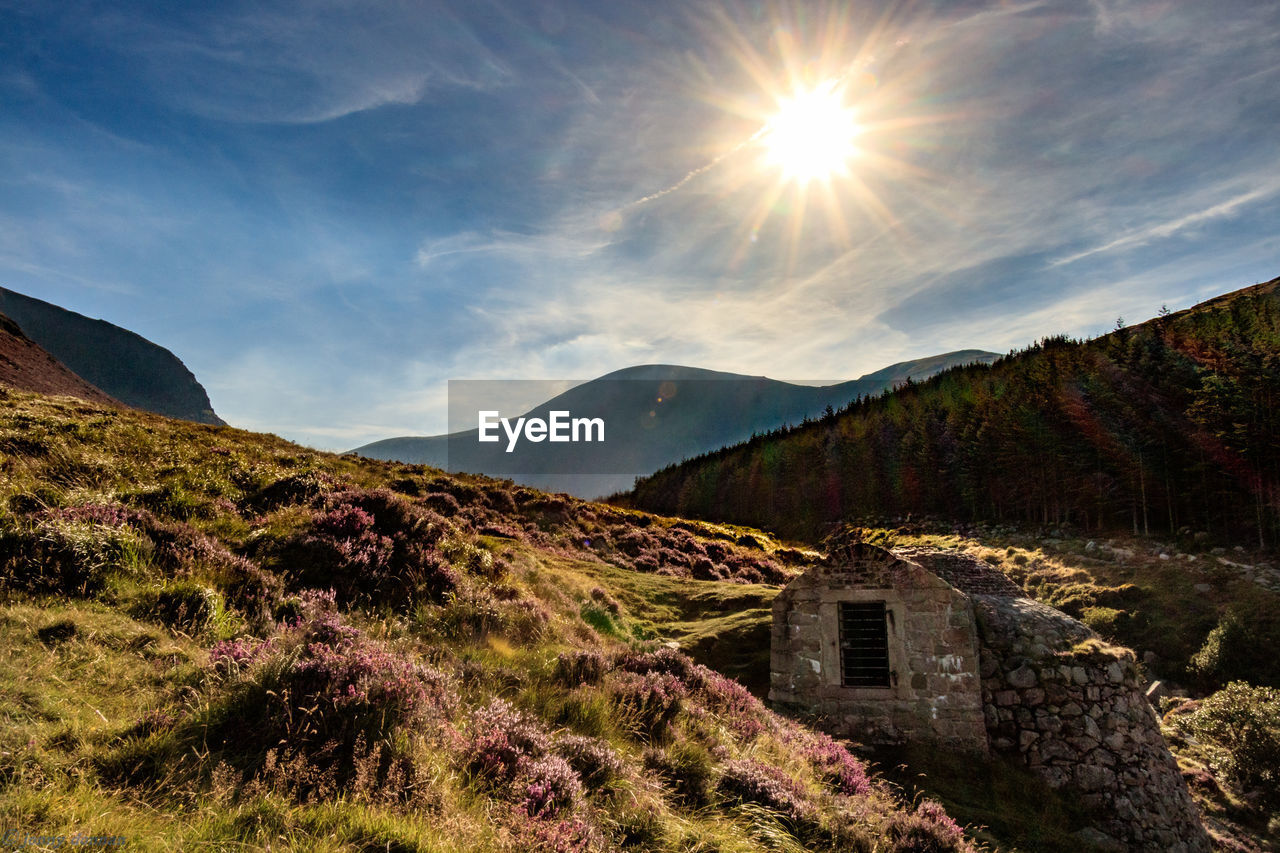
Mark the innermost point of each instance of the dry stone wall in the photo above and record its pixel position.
(1074, 711)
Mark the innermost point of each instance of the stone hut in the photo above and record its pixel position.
(888, 647)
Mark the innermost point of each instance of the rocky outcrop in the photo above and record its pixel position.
(1073, 710)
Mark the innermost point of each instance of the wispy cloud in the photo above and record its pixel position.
(1223, 209)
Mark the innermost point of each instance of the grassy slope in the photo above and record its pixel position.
(113, 719)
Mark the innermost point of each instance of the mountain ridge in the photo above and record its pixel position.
(121, 363)
(650, 427)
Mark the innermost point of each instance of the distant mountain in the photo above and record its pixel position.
(26, 366)
(655, 415)
(1171, 426)
(125, 365)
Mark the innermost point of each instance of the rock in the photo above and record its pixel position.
(1165, 556)
(1203, 588)
(1022, 677)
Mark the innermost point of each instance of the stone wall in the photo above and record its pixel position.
(935, 691)
(1073, 710)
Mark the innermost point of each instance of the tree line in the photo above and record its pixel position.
(1166, 427)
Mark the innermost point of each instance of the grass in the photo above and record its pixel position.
(116, 719)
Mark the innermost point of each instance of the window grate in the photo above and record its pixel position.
(864, 644)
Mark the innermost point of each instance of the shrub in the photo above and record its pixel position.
(686, 769)
(837, 766)
(326, 682)
(500, 742)
(371, 546)
(254, 591)
(550, 786)
(442, 502)
(651, 701)
(298, 488)
(554, 836)
(928, 829)
(1231, 652)
(750, 781)
(181, 605)
(592, 759)
(664, 660)
(231, 657)
(1240, 725)
(69, 554)
(743, 712)
(580, 667)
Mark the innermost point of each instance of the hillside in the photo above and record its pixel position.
(1170, 427)
(24, 365)
(210, 638)
(656, 415)
(122, 364)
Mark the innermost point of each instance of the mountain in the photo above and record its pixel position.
(123, 364)
(654, 415)
(26, 366)
(1172, 426)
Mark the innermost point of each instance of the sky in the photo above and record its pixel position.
(329, 209)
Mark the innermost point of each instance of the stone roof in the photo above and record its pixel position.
(966, 574)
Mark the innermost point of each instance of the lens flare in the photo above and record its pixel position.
(812, 135)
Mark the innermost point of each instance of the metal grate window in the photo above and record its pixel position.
(864, 644)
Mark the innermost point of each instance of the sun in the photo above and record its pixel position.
(811, 137)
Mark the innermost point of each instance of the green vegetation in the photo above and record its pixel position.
(210, 638)
(1171, 427)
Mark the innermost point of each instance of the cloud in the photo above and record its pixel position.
(293, 62)
(1227, 208)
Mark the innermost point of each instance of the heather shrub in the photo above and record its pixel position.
(182, 605)
(473, 612)
(549, 786)
(928, 829)
(325, 681)
(254, 591)
(232, 657)
(662, 660)
(67, 554)
(308, 605)
(601, 620)
(750, 781)
(633, 542)
(1240, 727)
(580, 667)
(591, 758)
(732, 703)
(650, 702)
(500, 741)
(370, 546)
(601, 596)
(837, 766)
(573, 835)
(301, 488)
(686, 769)
(442, 502)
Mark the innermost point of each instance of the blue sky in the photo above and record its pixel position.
(328, 209)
